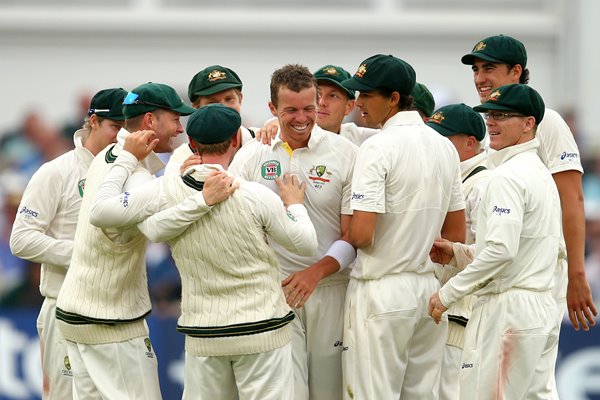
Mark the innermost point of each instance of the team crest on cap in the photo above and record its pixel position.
(361, 70)
(330, 71)
(479, 46)
(270, 170)
(216, 75)
(493, 96)
(438, 117)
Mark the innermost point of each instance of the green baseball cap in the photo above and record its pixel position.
(517, 98)
(457, 119)
(108, 103)
(151, 96)
(213, 123)
(211, 80)
(335, 75)
(383, 72)
(423, 99)
(498, 49)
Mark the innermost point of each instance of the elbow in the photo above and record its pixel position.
(96, 220)
(17, 245)
(360, 241)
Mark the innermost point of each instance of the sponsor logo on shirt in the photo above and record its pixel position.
(270, 170)
(319, 175)
(149, 353)
(466, 365)
(499, 210)
(81, 187)
(339, 343)
(357, 196)
(569, 156)
(125, 200)
(67, 370)
(28, 212)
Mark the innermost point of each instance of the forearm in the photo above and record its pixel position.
(173, 221)
(35, 246)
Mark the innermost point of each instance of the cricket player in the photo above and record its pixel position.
(406, 191)
(500, 60)
(103, 302)
(234, 314)
(44, 228)
(465, 128)
(314, 286)
(214, 84)
(511, 332)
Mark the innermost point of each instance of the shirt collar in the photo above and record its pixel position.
(467, 166)
(496, 158)
(202, 171)
(316, 135)
(404, 118)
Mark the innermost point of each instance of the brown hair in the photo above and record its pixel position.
(293, 76)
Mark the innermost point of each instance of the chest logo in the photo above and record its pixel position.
(81, 187)
(319, 175)
(270, 170)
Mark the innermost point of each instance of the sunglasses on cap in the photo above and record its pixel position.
(132, 98)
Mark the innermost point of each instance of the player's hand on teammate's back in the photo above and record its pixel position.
(291, 190)
(217, 187)
(194, 159)
(140, 143)
(441, 251)
(268, 132)
(436, 308)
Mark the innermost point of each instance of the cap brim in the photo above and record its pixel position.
(469, 59)
(355, 84)
(217, 88)
(349, 92)
(184, 109)
(112, 117)
(492, 106)
(442, 130)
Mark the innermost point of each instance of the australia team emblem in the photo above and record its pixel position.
(319, 175)
(81, 187)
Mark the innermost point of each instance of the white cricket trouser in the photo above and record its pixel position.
(261, 376)
(317, 343)
(392, 347)
(508, 343)
(559, 292)
(449, 378)
(57, 375)
(115, 371)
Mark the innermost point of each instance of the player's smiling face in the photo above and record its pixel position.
(488, 76)
(230, 98)
(334, 105)
(167, 126)
(297, 114)
(508, 131)
(107, 130)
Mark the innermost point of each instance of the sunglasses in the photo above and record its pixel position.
(133, 98)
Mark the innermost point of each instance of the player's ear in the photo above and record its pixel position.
(193, 146)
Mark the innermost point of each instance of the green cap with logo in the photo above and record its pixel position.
(108, 103)
(335, 75)
(423, 99)
(152, 96)
(498, 49)
(457, 119)
(517, 98)
(383, 72)
(211, 80)
(213, 123)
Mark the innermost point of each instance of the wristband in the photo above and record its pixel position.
(343, 252)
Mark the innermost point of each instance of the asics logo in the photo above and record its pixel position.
(28, 211)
